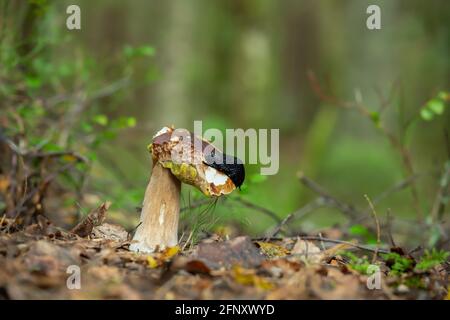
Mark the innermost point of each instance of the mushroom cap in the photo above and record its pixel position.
(196, 161)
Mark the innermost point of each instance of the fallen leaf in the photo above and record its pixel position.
(94, 218)
(248, 277)
(4, 183)
(197, 267)
(152, 263)
(158, 259)
(169, 253)
(240, 250)
(306, 250)
(272, 250)
(331, 252)
(110, 232)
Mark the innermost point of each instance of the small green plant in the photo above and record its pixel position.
(200, 219)
(431, 259)
(364, 233)
(435, 107)
(415, 281)
(397, 263)
(359, 264)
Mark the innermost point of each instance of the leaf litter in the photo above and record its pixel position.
(34, 263)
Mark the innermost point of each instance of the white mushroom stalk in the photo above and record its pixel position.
(158, 228)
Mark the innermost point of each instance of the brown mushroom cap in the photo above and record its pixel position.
(184, 154)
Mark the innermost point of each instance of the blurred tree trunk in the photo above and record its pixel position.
(171, 102)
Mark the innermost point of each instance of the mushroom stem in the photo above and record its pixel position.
(160, 213)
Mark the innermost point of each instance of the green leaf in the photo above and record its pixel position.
(243, 189)
(146, 51)
(64, 70)
(131, 122)
(358, 230)
(443, 95)
(33, 82)
(52, 147)
(436, 106)
(257, 178)
(101, 119)
(142, 51)
(86, 127)
(362, 231)
(426, 114)
(375, 116)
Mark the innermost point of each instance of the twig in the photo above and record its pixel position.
(362, 247)
(389, 229)
(107, 90)
(343, 207)
(442, 193)
(38, 190)
(378, 227)
(187, 240)
(57, 154)
(395, 188)
(395, 142)
(297, 214)
(318, 238)
(253, 206)
(33, 154)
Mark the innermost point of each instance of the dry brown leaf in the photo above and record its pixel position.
(331, 252)
(306, 250)
(110, 232)
(240, 250)
(249, 277)
(4, 183)
(272, 250)
(94, 218)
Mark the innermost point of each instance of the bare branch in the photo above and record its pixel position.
(330, 200)
(377, 223)
(297, 214)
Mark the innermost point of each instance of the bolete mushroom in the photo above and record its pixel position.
(179, 156)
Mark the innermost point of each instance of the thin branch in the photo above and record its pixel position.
(33, 154)
(318, 238)
(389, 227)
(377, 223)
(331, 200)
(105, 91)
(395, 188)
(256, 207)
(297, 214)
(442, 193)
(362, 247)
(395, 142)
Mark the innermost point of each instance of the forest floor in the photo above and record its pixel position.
(42, 261)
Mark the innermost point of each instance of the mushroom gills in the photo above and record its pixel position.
(209, 181)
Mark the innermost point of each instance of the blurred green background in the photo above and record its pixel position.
(139, 65)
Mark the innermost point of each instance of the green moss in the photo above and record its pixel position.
(397, 263)
(431, 259)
